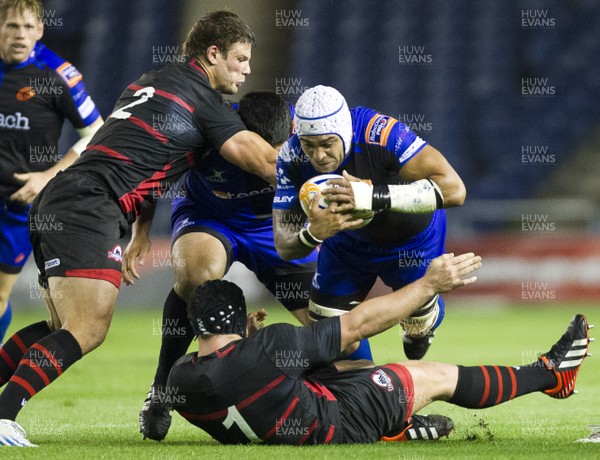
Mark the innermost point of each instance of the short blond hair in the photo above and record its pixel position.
(35, 6)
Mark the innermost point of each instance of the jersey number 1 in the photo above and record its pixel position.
(234, 416)
(145, 93)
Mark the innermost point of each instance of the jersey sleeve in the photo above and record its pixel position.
(286, 193)
(217, 120)
(74, 102)
(297, 350)
(390, 134)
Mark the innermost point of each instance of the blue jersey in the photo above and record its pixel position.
(35, 98)
(227, 191)
(381, 146)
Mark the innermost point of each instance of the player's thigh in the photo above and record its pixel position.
(343, 277)
(84, 307)
(197, 257)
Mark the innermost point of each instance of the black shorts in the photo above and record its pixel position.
(76, 226)
(373, 402)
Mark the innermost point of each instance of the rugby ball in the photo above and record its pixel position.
(319, 183)
(310, 188)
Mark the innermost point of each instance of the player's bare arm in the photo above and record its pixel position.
(444, 274)
(429, 163)
(139, 245)
(428, 174)
(34, 182)
(252, 153)
(294, 241)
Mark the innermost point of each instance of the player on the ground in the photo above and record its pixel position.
(38, 90)
(126, 166)
(402, 238)
(224, 216)
(278, 385)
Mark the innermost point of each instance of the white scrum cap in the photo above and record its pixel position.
(323, 110)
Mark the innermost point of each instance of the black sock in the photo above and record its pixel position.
(485, 386)
(44, 362)
(177, 335)
(14, 348)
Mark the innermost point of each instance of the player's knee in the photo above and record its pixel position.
(438, 379)
(188, 279)
(91, 332)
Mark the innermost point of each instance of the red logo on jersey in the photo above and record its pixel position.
(25, 93)
(116, 254)
(19, 258)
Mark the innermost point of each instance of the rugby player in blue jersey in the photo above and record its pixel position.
(225, 216)
(38, 90)
(410, 183)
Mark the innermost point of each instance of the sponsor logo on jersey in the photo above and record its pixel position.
(51, 263)
(282, 179)
(217, 176)
(69, 73)
(25, 93)
(116, 254)
(283, 199)
(235, 196)
(86, 107)
(380, 378)
(14, 121)
(379, 129)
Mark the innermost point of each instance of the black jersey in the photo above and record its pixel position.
(35, 98)
(259, 389)
(159, 125)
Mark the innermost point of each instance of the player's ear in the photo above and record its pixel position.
(40, 31)
(211, 54)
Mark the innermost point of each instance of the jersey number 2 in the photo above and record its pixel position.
(145, 93)
(234, 416)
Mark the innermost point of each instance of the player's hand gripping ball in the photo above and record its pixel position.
(319, 183)
(310, 188)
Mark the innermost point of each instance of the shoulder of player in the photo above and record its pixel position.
(291, 151)
(372, 127)
(58, 65)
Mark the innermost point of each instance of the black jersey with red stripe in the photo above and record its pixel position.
(259, 389)
(159, 125)
(36, 96)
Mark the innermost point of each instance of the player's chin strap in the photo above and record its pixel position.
(420, 322)
(415, 198)
(317, 312)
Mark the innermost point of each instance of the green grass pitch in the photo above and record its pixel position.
(91, 412)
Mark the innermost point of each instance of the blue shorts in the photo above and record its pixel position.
(347, 268)
(253, 245)
(15, 246)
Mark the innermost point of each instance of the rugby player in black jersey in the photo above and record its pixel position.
(38, 90)
(278, 385)
(128, 163)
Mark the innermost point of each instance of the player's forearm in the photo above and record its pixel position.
(382, 313)
(445, 273)
(287, 229)
(252, 153)
(142, 225)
